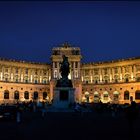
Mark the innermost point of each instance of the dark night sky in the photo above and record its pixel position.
(103, 30)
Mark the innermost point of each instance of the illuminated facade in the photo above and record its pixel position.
(113, 81)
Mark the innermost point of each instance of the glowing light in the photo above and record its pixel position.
(100, 77)
(31, 78)
(82, 78)
(132, 76)
(91, 79)
(21, 77)
(121, 77)
(69, 76)
(110, 78)
(40, 79)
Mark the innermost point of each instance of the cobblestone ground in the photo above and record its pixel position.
(69, 125)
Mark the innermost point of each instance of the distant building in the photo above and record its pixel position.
(113, 81)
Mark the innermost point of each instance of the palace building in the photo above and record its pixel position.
(112, 81)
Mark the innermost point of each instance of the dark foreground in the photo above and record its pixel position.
(69, 125)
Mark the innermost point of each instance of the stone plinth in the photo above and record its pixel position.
(63, 96)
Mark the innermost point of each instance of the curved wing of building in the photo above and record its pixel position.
(114, 81)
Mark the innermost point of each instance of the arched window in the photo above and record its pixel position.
(87, 96)
(96, 96)
(137, 95)
(126, 95)
(26, 95)
(6, 94)
(126, 80)
(44, 81)
(105, 95)
(16, 94)
(116, 95)
(138, 79)
(44, 95)
(35, 95)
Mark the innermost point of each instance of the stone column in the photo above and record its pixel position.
(2, 72)
(22, 75)
(123, 72)
(79, 72)
(131, 73)
(134, 72)
(74, 70)
(120, 74)
(100, 74)
(112, 74)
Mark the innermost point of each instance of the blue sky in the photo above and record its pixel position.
(103, 30)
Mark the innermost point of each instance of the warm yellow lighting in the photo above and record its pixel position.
(1, 75)
(82, 78)
(121, 77)
(100, 77)
(40, 79)
(91, 79)
(110, 78)
(11, 76)
(21, 77)
(132, 76)
(31, 78)
(69, 76)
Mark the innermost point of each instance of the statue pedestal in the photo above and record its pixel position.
(63, 96)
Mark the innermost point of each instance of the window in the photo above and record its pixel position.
(36, 72)
(55, 64)
(116, 80)
(72, 65)
(26, 95)
(6, 79)
(138, 79)
(26, 71)
(44, 95)
(16, 79)
(115, 70)
(76, 64)
(76, 74)
(105, 71)
(105, 96)
(137, 95)
(138, 68)
(116, 95)
(126, 80)
(96, 81)
(6, 70)
(35, 95)
(96, 71)
(44, 82)
(126, 95)
(6, 94)
(16, 70)
(86, 72)
(16, 95)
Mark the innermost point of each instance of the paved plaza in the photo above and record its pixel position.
(69, 125)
